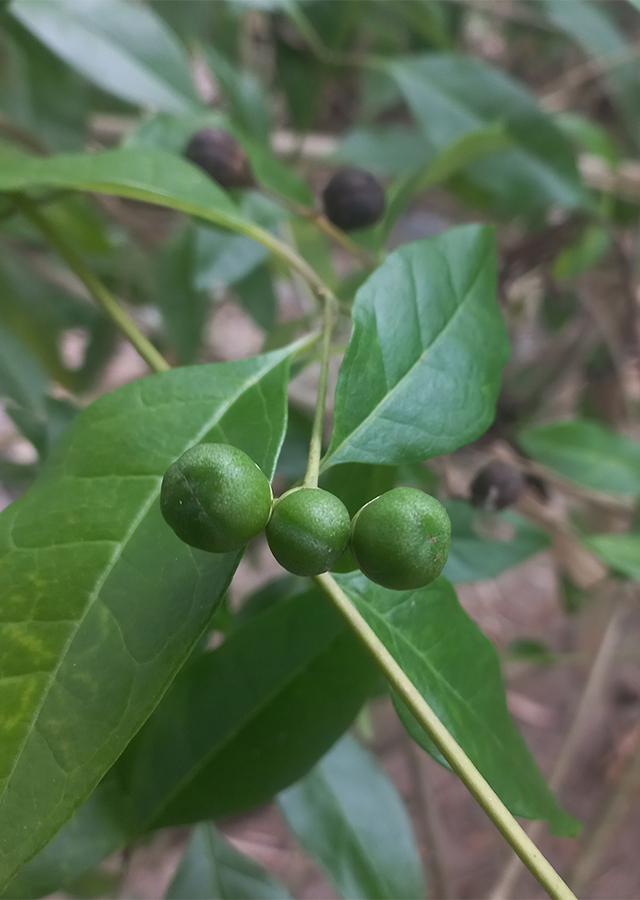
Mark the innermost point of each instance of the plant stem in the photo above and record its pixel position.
(102, 294)
(315, 446)
(448, 746)
(323, 224)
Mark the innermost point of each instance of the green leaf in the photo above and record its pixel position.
(96, 831)
(39, 91)
(391, 150)
(349, 816)
(22, 378)
(451, 95)
(421, 373)
(621, 552)
(244, 721)
(442, 166)
(100, 603)
(183, 306)
(250, 105)
(141, 174)
(258, 297)
(223, 258)
(585, 253)
(212, 869)
(588, 136)
(586, 452)
(456, 669)
(124, 48)
(473, 556)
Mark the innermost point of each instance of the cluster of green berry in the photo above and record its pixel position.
(216, 498)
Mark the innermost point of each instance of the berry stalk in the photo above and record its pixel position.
(315, 446)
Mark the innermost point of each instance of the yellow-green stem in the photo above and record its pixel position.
(448, 746)
(323, 224)
(315, 447)
(94, 285)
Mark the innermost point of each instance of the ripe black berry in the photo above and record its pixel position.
(353, 199)
(496, 486)
(221, 156)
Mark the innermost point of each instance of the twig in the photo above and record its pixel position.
(440, 887)
(609, 819)
(446, 743)
(315, 447)
(99, 290)
(504, 887)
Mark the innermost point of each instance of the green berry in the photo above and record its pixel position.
(401, 539)
(308, 530)
(215, 497)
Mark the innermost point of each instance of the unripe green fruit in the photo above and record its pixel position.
(308, 530)
(215, 497)
(401, 539)
(353, 199)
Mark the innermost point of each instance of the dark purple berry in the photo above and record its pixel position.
(353, 199)
(220, 155)
(496, 486)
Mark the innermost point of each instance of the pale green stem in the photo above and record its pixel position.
(315, 447)
(448, 746)
(322, 224)
(94, 285)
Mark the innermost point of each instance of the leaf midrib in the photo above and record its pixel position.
(109, 567)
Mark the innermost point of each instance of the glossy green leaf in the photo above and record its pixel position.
(124, 48)
(212, 869)
(621, 552)
(421, 373)
(456, 669)
(349, 816)
(244, 721)
(100, 603)
(141, 174)
(451, 94)
(97, 830)
(473, 556)
(586, 452)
